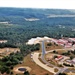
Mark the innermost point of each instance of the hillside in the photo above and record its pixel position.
(17, 25)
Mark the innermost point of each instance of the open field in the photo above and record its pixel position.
(7, 51)
(35, 69)
(53, 46)
(32, 19)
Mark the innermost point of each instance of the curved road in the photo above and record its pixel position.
(38, 62)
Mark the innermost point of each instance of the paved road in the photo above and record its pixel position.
(43, 55)
(43, 59)
(38, 62)
(61, 70)
(70, 70)
(43, 48)
(59, 50)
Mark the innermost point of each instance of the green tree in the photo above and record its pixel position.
(71, 57)
(62, 74)
(26, 73)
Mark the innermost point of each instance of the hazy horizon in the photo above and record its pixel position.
(46, 4)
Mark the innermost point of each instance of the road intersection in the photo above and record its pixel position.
(45, 66)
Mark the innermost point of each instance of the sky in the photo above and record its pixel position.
(52, 4)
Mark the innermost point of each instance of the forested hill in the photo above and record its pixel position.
(18, 15)
(28, 12)
(17, 25)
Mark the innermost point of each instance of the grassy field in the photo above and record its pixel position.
(53, 46)
(35, 69)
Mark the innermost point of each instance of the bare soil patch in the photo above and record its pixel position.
(7, 51)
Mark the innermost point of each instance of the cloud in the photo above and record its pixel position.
(57, 4)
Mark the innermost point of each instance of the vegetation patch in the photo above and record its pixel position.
(56, 70)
